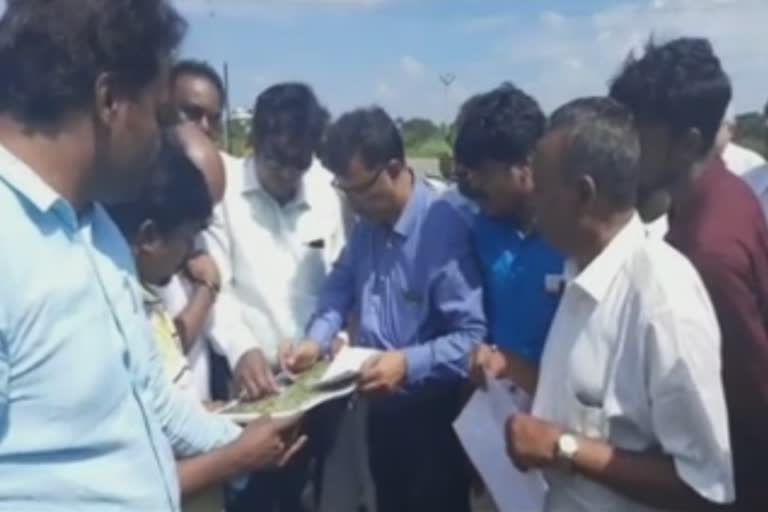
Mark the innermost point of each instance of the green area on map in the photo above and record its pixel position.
(291, 397)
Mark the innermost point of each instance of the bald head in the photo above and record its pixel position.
(205, 155)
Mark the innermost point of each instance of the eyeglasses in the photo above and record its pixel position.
(360, 188)
(196, 114)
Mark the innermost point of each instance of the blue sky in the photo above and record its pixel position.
(393, 52)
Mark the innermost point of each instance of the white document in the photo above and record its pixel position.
(506, 399)
(347, 364)
(480, 428)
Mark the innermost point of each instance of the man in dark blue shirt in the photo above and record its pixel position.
(497, 132)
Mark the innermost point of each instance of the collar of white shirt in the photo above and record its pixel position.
(252, 185)
(597, 277)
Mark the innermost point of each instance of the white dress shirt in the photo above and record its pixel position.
(273, 260)
(633, 358)
(740, 160)
(757, 179)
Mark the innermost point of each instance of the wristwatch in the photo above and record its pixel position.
(566, 450)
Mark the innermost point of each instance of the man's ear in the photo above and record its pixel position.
(105, 98)
(586, 191)
(523, 171)
(147, 237)
(691, 145)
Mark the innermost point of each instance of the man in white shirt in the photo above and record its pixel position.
(197, 98)
(629, 412)
(757, 178)
(280, 232)
(738, 159)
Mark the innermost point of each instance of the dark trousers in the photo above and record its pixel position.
(273, 491)
(269, 491)
(416, 460)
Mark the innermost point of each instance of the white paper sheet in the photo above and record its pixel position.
(480, 428)
(347, 364)
(337, 381)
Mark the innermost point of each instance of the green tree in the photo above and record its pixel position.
(239, 135)
(751, 131)
(417, 131)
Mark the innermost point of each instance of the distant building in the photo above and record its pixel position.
(241, 114)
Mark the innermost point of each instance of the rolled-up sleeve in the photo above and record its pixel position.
(688, 408)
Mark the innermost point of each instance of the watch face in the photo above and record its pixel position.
(568, 446)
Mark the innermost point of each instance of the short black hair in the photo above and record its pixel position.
(200, 69)
(176, 194)
(51, 52)
(600, 140)
(368, 133)
(502, 125)
(289, 111)
(680, 84)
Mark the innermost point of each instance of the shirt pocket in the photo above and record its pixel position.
(405, 313)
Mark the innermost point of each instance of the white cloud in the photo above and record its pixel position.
(578, 55)
(384, 91)
(412, 67)
(552, 19)
(418, 90)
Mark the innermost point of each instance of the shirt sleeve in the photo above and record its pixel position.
(228, 332)
(458, 298)
(190, 429)
(735, 294)
(688, 410)
(336, 298)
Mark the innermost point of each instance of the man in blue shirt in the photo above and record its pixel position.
(409, 285)
(497, 133)
(88, 420)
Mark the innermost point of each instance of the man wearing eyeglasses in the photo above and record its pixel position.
(408, 279)
(281, 230)
(198, 94)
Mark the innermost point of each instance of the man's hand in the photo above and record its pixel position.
(253, 375)
(268, 442)
(201, 268)
(383, 373)
(338, 344)
(299, 357)
(531, 442)
(486, 359)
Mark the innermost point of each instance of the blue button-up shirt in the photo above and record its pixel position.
(518, 303)
(88, 421)
(413, 287)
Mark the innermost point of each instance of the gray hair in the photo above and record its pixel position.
(600, 141)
